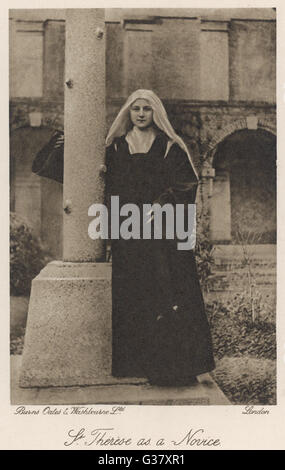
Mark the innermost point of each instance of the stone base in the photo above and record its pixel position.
(68, 335)
(120, 392)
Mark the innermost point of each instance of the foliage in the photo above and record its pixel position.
(204, 253)
(234, 333)
(251, 300)
(243, 327)
(27, 256)
(243, 305)
(17, 340)
(247, 380)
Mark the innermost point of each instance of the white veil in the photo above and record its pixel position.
(122, 123)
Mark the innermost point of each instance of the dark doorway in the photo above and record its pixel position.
(245, 163)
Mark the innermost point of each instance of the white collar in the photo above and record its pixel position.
(140, 141)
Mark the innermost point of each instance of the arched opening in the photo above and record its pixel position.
(243, 206)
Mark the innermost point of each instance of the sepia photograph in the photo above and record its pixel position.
(143, 207)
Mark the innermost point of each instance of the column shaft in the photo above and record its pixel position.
(84, 131)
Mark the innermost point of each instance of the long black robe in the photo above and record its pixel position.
(151, 276)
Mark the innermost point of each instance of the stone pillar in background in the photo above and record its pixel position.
(220, 208)
(53, 66)
(138, 50)
(68, 336)
(207, 176)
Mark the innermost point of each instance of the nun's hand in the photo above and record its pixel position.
(102, 169)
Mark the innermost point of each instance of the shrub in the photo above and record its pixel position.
(204, 254)
(236, 335)
(247, 380)
(17, 341)
(255, 306)
(27, 256)
(204, 261)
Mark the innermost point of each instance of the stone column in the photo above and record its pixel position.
(84, 125)
(207, 176)
(220, 208)
(68, 335)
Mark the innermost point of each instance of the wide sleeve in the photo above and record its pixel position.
(49, 161)
(181, 181)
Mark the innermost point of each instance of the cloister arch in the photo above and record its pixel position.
(249, 122)
(243, 199)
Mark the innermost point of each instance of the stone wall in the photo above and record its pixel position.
(215, 75)
(193, 58)
(186, 58)
(204, 125)
(253, 60)
(172, 56)
(190, 58)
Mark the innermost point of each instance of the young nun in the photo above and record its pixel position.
(147, 163)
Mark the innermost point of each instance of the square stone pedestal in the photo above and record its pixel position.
(68, 335)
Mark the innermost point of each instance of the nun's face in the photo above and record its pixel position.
(141, 114)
